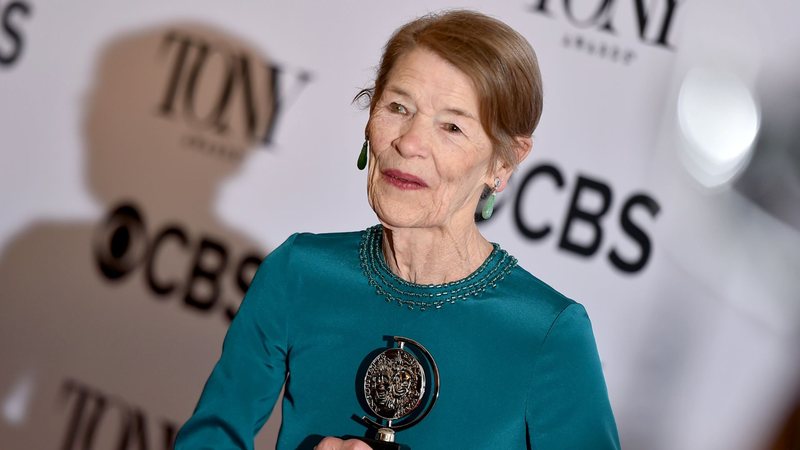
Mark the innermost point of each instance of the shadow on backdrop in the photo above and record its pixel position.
(110, 328)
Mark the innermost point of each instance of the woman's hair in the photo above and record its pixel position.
(499, 61)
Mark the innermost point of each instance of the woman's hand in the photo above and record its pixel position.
(332, 443)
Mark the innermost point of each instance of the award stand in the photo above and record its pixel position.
(395, 392)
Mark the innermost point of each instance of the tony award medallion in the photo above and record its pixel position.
(396, 390)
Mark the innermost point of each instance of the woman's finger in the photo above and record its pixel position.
(332, 443)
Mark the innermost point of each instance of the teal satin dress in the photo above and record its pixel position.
(517, 360)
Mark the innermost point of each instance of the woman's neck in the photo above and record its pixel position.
(434, 255)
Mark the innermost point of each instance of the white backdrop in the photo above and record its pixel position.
(137, 198)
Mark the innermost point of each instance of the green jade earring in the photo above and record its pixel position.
(488, 207)
(362, 157)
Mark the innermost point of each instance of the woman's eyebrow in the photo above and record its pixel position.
(397, 90)
(460, 112)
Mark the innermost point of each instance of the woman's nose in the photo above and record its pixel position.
(416, 138)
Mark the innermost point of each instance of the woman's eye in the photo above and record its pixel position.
(397, 107)
(453, 128)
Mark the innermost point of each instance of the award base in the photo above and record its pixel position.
(383, 445)
(385, 441)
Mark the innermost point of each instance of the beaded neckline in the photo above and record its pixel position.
(423, 296)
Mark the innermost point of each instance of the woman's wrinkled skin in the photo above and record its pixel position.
(430, 161)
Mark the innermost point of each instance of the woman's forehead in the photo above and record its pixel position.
(423, 76)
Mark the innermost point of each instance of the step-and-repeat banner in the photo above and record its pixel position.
(153, 153)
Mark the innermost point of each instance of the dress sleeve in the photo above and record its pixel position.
(567, 405)
(241, 391)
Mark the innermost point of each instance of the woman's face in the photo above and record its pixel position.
(429, 152)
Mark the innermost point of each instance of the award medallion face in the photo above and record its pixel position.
(394, 384)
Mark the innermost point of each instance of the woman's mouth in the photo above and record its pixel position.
(403, 180)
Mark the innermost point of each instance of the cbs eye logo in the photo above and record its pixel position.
(123, 245)
(12, 40)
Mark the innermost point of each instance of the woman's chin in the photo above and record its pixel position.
(402, 218)
(395, 211)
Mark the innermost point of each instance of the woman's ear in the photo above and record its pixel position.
(522, 148)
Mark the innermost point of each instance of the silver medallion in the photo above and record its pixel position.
(394, 384)
(395, 389)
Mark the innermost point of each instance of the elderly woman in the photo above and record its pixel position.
(455, 102)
